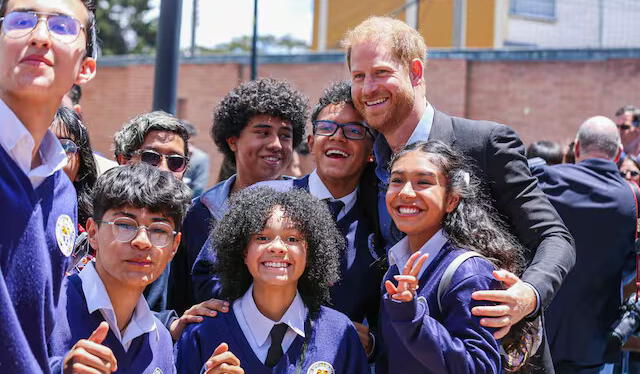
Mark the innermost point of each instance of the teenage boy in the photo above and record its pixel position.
(45, 47)
(104, 322)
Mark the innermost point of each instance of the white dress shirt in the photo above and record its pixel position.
(400, 253)
(17, 141)
(320, 191)
(256, 327)
(142, 320)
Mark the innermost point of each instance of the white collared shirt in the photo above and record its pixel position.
(142, 320)
(17, 141)
(400, 253)
(320, 191)
(256, 327)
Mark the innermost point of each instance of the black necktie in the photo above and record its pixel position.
(275, 350)
(334, 207)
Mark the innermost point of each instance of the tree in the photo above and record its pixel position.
(266, 44)
(125, 26)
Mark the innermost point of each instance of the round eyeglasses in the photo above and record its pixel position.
(61, 27)
(69, 146)
(160, 234)
(175, 163)
(350, 130)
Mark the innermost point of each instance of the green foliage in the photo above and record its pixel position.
(125, 27)
(266, 44)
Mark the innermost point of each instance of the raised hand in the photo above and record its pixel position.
(408, 280)
(90, 356)
(223, 361)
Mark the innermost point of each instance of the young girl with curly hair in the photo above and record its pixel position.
(277, 256)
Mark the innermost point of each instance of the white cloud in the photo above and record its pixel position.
(220, 21)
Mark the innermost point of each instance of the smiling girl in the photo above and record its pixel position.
(277, 257)
(434, 198)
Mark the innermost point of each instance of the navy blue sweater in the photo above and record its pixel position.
(32, 264)
(419, 338)
(330, 338)
(146, 354)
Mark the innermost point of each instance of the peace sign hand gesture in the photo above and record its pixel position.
(408, 280)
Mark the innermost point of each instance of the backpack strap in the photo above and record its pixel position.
(447, 276)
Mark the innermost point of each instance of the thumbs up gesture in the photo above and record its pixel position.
(90, 356)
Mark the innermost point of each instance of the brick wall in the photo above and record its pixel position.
(540, 99)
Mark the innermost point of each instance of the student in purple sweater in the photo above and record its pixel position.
(277, 255)
(435, 199)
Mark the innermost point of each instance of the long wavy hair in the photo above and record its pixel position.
(475, 224)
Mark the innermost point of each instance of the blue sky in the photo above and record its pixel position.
(221, 20)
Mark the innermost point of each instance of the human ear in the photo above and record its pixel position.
(416, 71)
(453, 199)
(175, 244)
(92, 232)
(232, 143)
(87, 71)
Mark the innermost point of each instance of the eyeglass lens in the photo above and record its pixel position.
(175, 163)
(62, 27)
(69, 146)
(354, 131)
(125, 229)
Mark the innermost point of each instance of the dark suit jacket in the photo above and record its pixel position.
(499, 157)
(599, 209)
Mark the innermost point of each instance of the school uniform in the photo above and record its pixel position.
(417, 337)
(38, 224)
(145, 345)
(310, 345)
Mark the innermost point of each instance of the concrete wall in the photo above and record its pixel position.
(541, 94)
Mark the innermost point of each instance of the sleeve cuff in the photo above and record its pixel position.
(536, 311)
(403, 311)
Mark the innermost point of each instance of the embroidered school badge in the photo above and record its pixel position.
(321, 367)
(65, 234)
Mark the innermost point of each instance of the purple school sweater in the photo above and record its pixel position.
(416, 337)
(330, 339)
(38, 229)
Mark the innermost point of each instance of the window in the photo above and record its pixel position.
(545, 9)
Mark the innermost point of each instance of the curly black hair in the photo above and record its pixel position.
(475, 224)
(69, 125)
(141, 185)
(249, 210)
(263, 96)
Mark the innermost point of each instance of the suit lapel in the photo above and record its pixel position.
(442, 128)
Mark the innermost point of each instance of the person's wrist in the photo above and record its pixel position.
(533, 306)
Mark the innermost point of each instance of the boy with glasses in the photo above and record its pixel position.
(45, 47)
(104, 322)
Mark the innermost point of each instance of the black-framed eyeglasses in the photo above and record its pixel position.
(175, 163)
(350, 130)
(61, 27)
(634, 173)
(160, 234)
(69, 146)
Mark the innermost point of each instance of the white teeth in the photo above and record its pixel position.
(408, 210)
(272, 158)
(276, 264)
(332, 152)
(375, 102)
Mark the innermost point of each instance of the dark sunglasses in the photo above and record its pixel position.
(633, 173)
(62, 27)
(175, 163)
(350, 130)
(624, 127)
(69, 146)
